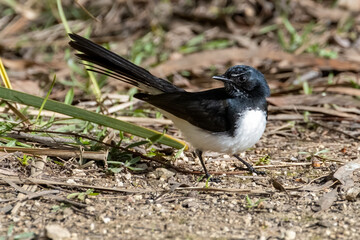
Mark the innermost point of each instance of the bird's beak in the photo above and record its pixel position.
(221, 78)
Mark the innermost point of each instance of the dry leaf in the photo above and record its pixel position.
(345, 173)
(327, 200)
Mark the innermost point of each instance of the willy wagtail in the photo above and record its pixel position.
(227, 120)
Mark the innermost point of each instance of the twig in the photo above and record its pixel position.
(233, 190)
(162, 161)
(33, 195)
(315, 109)
(36, 169)
(262, 166)
(41, 139)
(14, 185)
(334, 129)
(95, 155)
(284, 165)
(65, 200)
(32, 181)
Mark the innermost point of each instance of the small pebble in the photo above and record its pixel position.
(57, 232)
(290, 235)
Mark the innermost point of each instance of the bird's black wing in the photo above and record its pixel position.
(207, 110)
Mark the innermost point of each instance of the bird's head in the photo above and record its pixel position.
(242, 80)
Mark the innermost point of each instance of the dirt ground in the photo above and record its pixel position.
(309, 52)
(166, 212)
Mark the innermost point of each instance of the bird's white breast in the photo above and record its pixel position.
(249, 128)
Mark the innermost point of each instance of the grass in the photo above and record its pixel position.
(250, 204)
(320, 154)
(88, 116)
(46, 98)
(10, 234)
(95, 87)
(25, 159)
(90, 125)
(265, 160)
(199, 43)
(291, 40)
(149, 45)
(121, 161)
(82, 195)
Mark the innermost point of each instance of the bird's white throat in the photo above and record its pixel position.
(249, 128)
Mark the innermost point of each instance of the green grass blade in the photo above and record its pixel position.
(62, 16)
(64, 21)
(46, 98)
(69, 96)
(83, 114)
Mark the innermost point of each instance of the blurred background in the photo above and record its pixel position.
(301, 46)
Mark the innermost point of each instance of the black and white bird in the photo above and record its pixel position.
(226, 120)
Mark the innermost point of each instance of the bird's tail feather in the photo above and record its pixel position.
(113, 65)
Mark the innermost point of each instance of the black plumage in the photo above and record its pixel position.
(122, 68)
(213, 110)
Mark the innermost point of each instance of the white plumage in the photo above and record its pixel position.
(249, 128)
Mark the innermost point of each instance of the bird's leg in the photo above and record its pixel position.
(199, 154)
(207, 175)
(250, 168)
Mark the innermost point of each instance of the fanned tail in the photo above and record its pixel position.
(119, 68)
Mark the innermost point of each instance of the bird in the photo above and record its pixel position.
(226, 120)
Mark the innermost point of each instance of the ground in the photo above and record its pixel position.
(166, 212)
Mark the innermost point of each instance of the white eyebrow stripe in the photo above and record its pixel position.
(238, 74)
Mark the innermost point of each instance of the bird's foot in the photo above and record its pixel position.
(249, 167)
(251, 170)
(210, 178)
(260, 172)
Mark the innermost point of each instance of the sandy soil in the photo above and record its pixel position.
(166, 212)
